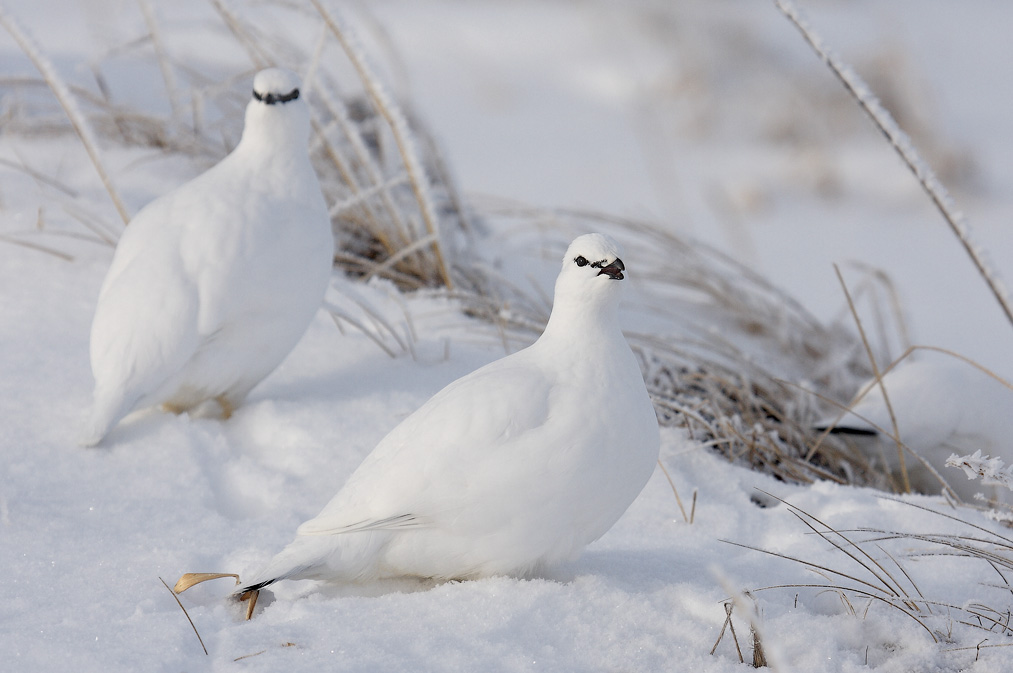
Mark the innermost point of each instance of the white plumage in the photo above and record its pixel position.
(942, 406)
(215, 282)
(514, 467)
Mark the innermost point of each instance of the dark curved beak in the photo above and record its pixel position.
(614, 270)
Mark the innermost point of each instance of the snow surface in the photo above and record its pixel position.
(559, 104)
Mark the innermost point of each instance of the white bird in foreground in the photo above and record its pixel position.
(215, 282)
(512, 468)
(942, 407)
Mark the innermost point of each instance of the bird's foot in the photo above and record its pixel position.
(251, 601)
(226, 406)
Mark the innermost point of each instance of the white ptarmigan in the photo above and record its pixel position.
(214, 283)
(942, 406)
(510, 469)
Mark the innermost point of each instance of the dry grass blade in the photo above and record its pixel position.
(36, 246)
(815, 447)
(993, 548)
(406, 251)
(978, 647)
(888, 583)
(759, 654)
(188, 580)
(67, 102)
(675, 491)
(37, 176)
(90, 222)
(257, 654)
(396, 121)
(906, 482)
(729, 606)
(871, 590)
(877, 281)
(902, 144)
(365, 195)
(338, 315)
(361, 155)
(171, 87)
(864, 593)
(254, 49)
(180, 604)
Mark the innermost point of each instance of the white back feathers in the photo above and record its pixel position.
(215, 282)
(518, 465)
(942, 406)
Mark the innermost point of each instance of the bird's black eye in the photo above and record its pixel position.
(580, 261)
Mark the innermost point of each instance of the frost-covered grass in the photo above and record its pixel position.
(384, 201)
(86, 535)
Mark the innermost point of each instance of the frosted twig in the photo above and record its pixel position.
(404, 252)
(905, 481)
(234, 24)
(339, 111)
(367, 194)
(161, 56)
(35, 246)
(900, 142)
(67, 102)
(337, 314)
(993, 471)
(398, 125)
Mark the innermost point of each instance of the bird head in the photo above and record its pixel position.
(277, 114)
(590, 256)
(591, 274)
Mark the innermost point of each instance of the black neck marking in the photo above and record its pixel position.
(272, 98)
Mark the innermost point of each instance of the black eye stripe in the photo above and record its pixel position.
(272, 98)
(580, 260)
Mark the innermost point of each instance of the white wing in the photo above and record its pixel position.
(145, 322)
(425, 468)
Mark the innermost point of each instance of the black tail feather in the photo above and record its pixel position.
(847, 430)
(242, 591)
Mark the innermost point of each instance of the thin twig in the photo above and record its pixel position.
(192, 625)
(902, 144)
(399, 128)
(676, 491)
(905, 481)
(67, 102)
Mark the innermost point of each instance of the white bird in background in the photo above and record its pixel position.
(215, 282)
(942, 406)
(512, 468)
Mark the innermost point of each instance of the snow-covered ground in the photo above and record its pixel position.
(711, 118)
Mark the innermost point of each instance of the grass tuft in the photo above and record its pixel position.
(876, 575)
(395, 215)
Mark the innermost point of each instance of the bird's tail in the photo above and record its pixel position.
(255, 586)
(853, 430)
(106, 411)
(269, 576)
(97, 427)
